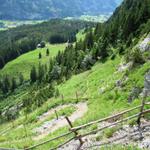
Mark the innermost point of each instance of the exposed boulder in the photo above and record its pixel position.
(102, 90)
(122, 67)
(134, 94)
(120, 83)
(147, 83)
(145, 44)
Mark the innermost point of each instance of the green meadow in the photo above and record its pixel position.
(24, 63)
(87, 84)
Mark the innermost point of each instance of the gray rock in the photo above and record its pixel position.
(145, 44)
(134, 94)
(102, 90)
(147, 81)
(145, 144)
(146, 89)
(124, 66)
(119, 83)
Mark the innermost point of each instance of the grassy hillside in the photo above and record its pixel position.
(103, 74)
(22, 39)
(24, 63)
(87, 84)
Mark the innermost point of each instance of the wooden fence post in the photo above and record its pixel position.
(141, 109)
(56, 114)
(140, 114)
(75, 132)
(77, 97)
(62, 98)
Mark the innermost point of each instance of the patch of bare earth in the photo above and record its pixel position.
(52, 125)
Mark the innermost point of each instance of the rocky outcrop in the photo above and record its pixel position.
(134, 94)
(122, 67)
(147, 83)
(145, 44)
(146, 89)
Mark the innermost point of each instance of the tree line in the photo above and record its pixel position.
(117, 32)
(17, 41)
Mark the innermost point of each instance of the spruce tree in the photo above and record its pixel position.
(2, 62)
(33, 74)
(21, 78)
(40, 73)
(6, 84)
(14, 84)
(47, 52)
(40, 55)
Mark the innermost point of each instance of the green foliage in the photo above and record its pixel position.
(23, 64)
(33, 74)
(26, 38)
(14, 84)
(21, 79)
(40, 55)
(47, 52)
(135, 55)
(112, 37)
(109, 132)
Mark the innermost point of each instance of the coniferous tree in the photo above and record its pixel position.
(51, 63)
(33, 74)
(103, 48)
(1, 84)
(21, 79)
(41, 73)
(47, 52)
(2, 62)
(14, 84)
(6, 84)
(90, 39)
(40, 55)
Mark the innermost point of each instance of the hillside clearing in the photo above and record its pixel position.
(55, 124)
(24, 63)
(87, 84)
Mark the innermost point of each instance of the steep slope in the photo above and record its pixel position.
(96, 84)
(45, 9)
(127, 22)
(108, 75)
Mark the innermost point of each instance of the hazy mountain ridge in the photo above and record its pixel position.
(46, 9)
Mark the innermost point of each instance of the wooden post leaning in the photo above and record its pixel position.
(56, 114)
(76, 133)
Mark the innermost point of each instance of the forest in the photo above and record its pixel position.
(14, 42)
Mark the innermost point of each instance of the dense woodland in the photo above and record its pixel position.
(122, 31)
(17, 41)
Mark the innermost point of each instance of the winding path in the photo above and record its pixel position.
(53, 125)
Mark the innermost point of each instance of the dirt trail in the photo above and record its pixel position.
(51, 126)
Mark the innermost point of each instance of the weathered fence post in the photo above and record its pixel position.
(75, 132)
(62, 98)
(77, 97)
(56, 114)
(141, 113)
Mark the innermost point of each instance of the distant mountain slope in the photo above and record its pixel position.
(45, 9)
